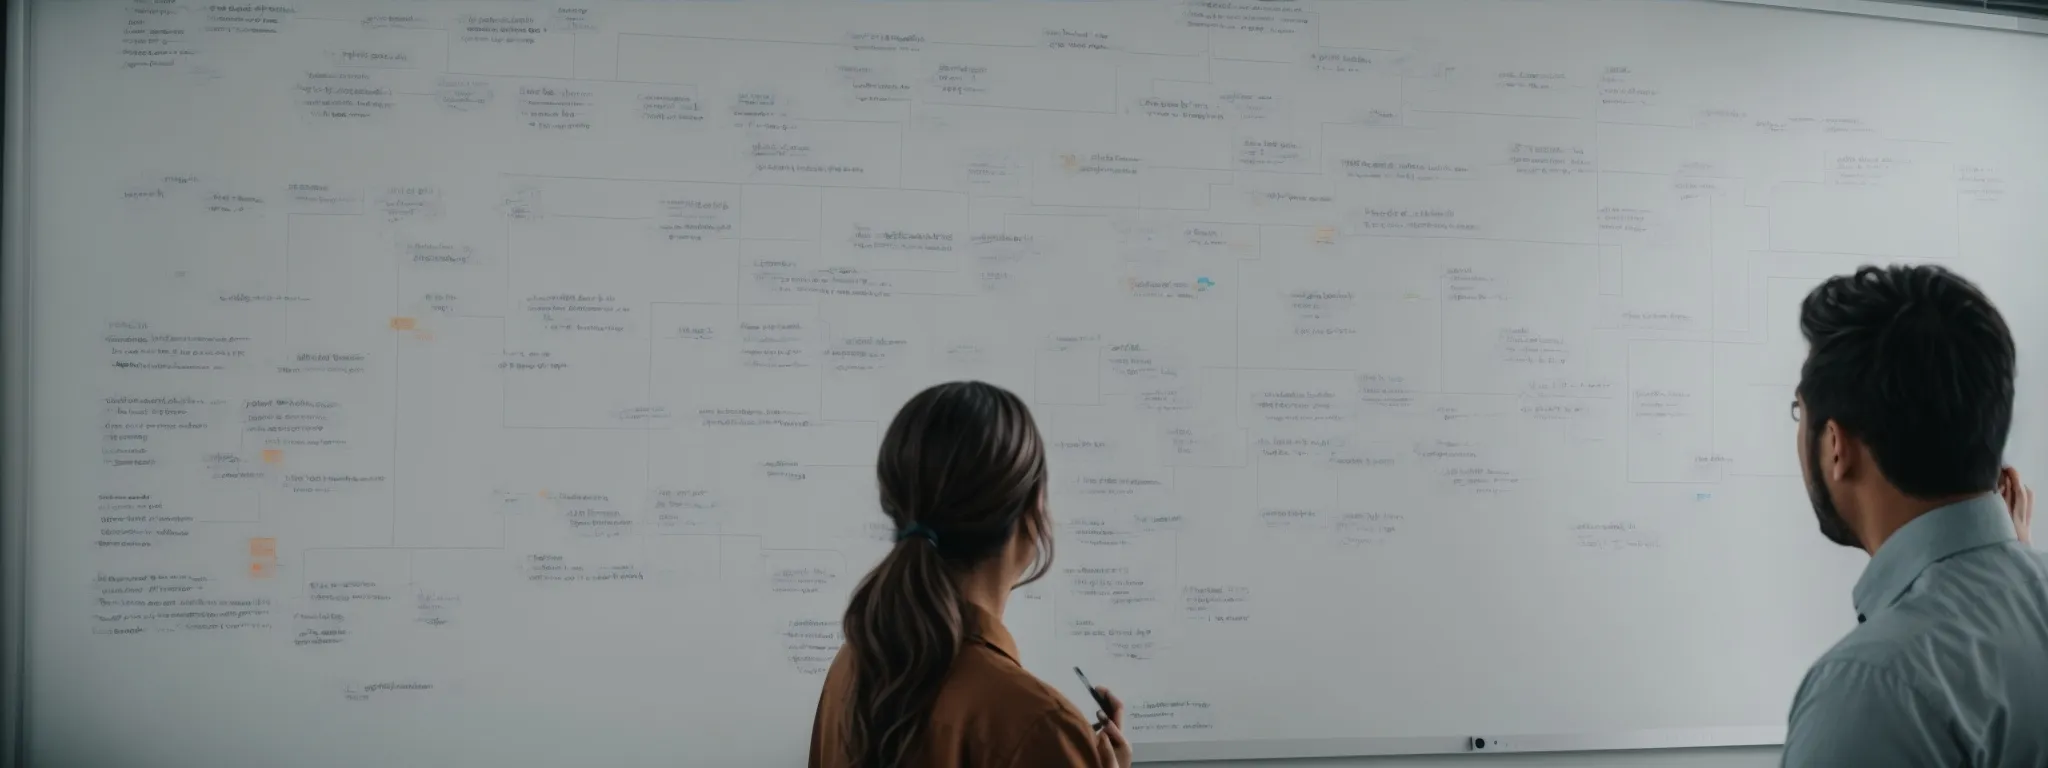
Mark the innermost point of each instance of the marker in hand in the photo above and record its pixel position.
(1094, 694)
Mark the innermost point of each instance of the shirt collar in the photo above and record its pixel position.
(1926, 540)
(989, 630)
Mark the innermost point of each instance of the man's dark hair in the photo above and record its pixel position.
(1915, 362)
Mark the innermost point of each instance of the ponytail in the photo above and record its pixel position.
(961, 474)
(903, 627)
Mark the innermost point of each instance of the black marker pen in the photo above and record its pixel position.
(1094, 694)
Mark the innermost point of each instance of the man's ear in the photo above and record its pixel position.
(1844, 453)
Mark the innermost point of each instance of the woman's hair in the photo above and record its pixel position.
(962, 470)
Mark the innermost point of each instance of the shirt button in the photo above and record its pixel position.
(1859, 618)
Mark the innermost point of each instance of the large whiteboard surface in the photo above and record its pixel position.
(498, 384)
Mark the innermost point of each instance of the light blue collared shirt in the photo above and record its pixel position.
(1949, 664)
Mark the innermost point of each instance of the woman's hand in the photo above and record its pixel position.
(1110, 747)
(2019, 501)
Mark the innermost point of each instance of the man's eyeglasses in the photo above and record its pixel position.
(1796, 411)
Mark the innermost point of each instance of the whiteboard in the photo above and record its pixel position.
(470, 383)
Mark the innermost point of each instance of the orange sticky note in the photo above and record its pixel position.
(273, 456)
(264, 548)
(404, 323)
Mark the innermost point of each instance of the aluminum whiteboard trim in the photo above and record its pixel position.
(1677, 738)
(1886, 9)
(15, 333)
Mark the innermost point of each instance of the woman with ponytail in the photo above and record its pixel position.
(929, 678)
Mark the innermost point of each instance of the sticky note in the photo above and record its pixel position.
(264, 548)
(404, 323)
(273, 456)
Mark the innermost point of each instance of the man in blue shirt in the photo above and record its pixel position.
(1903, 406)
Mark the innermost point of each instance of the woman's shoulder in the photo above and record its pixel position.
(984, 678)
(1009, 715)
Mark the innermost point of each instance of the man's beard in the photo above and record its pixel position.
(1832, 525)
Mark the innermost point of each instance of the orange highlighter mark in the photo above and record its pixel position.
(273, 456)
(1326, 235)
(404, 323)
(262, 557)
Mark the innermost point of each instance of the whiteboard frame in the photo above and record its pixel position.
(1289, 749)
(1906, 10)
(16, 334)
(16, 470)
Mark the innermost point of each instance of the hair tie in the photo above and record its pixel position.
(918, 529)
